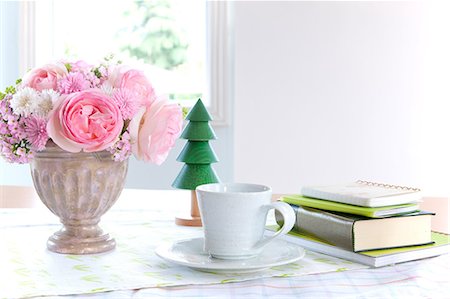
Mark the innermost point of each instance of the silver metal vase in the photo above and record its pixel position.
(79, 188)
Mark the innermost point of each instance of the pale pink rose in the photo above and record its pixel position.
(154, 131)
(115, 73)
(135, 81)
(88, 120)
(45, 77)
(80, 66)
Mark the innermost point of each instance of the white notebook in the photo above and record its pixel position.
(363, 193)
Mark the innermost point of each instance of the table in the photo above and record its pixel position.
(428, 278)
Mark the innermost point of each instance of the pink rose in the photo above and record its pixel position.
(133, 80)
(154, 131)
(45, 77)
(88, 120)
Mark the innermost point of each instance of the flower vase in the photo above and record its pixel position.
(78, 188)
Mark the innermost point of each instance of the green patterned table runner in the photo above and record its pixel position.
(28, 269)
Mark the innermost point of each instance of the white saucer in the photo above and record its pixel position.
(190, 253)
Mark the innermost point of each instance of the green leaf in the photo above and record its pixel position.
(18, 81)
(10, 90)
(185, 111)
(97, 73)
(68, 66)
(109, 57)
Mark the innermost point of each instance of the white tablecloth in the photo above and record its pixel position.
(133, 271)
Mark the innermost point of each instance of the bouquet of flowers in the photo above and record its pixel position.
(90, 108)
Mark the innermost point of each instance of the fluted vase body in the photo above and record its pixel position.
(79, 188)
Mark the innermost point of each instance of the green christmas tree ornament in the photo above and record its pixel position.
(197, 152)
(198, 131)
(199, 113)
(191, 173)
(198, 156)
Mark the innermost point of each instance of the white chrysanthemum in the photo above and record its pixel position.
(107, 88)
(24, 101)
(44, 104)
(50, 94)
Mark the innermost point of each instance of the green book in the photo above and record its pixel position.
(373, 258)
(377, 212)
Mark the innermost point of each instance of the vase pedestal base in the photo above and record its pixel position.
(81, 240)
(78, 188)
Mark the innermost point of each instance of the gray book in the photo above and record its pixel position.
(359, 233)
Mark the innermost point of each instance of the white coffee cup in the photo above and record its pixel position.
(234, 218)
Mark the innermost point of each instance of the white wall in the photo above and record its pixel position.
(335, 91)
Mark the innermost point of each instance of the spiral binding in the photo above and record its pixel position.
(367, 183)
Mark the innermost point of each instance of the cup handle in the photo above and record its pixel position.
(288, 222)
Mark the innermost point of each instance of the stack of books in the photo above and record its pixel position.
(374, 224)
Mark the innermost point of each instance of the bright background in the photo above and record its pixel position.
(324, 92)
(339, 91)
(114, 28)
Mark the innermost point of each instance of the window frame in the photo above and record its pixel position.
(218, 53)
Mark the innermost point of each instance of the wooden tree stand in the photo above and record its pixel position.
(194, 219)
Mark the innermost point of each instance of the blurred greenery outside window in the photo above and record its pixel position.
(165, 38)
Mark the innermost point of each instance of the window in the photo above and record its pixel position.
(181, 45)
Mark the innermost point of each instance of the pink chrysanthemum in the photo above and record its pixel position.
(36, 132)
(73, 82)
(126, 102)
(93, 79)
